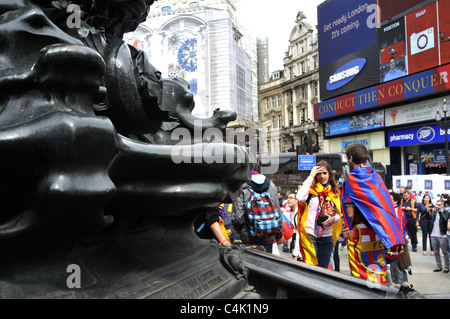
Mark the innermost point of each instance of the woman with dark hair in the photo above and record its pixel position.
(423, 220)
(319, 214)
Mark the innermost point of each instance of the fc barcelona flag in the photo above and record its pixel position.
(367, 191)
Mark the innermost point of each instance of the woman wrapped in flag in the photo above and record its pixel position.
(319, 215)
(371, 227)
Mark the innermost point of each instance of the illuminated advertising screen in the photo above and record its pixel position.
(343, 28)
(423, 41)
(412, 86)
(392, 8)
(393, 60)
(355, 123)
(348, 49)
(417, 40)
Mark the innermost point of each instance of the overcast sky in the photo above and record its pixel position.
(276, 19)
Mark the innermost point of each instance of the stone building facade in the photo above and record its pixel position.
(288, 98)
(202, 42)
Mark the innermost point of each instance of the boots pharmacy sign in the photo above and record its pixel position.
(416, 135)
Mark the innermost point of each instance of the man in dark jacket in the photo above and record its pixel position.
(259, 183)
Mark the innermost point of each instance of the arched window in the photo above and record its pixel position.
(193, 4)
(166, 9)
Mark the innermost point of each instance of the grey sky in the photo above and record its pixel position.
(276, 19)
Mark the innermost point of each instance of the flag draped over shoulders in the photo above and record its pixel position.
(367, 191)
(306, 245)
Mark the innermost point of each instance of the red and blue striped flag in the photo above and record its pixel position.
(366, 189)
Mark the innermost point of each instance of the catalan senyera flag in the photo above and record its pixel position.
(366, 189)
(306, 245)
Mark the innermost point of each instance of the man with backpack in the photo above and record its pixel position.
(257, 215)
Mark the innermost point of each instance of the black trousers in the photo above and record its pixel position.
(426, 234)
(411, 229)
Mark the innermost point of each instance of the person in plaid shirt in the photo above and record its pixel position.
(259, 183)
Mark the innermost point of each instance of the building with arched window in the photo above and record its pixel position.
(201, 42)
(287, 99)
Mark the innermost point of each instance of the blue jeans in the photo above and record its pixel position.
(324, 248)
(397, 275)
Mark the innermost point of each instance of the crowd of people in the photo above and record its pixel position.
(376, 224)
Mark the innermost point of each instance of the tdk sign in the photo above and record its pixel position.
(345, 74)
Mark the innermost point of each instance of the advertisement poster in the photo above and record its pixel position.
(417, 39)
(413, 169)
(423, 38)
(414, 112)
(343, 28)
(349, 49)
(392, 54)
(356, 123)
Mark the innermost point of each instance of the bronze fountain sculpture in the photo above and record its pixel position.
(80, 187)
(98, 198)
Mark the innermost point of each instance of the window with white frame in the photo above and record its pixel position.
(316, 88)
(267, 103)
(279, 121)
(193, 4)
(166, 9)
(273, 102)
(279, 100)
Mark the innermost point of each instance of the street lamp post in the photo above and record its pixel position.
(438, 119)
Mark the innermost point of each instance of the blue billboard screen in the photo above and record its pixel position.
(345, 26)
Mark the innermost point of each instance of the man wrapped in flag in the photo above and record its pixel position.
(371, 227)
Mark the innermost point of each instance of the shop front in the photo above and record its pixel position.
(417, 150)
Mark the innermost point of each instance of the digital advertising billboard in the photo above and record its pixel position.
(423, 41)
(413, 37)
(393, 8)
(348, 48)
(393, 60)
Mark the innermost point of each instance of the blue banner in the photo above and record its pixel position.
(416, 135)
(344, 28)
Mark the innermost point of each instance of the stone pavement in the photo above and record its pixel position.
(432, 285)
